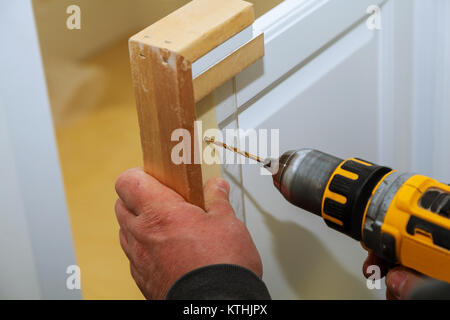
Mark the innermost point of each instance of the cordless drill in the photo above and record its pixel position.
(403, 218)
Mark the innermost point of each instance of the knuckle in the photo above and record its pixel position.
(122, 180)
(153, 225)
(123, 245)
(147, 208)
(128, 179)
(140, 252)
(167, 214)
(147, 224)
(133, 273)
(117, 207)
(219, 183)
(140, 257)
(136, 275)
(219, 205)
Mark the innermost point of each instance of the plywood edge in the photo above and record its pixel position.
(233, 64)
(198, 27)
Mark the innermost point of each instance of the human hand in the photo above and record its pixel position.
(164, 237)
(400, 281)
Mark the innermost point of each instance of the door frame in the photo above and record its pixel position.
(36, 257)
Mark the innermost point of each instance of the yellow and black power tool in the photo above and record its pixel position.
(402, 217)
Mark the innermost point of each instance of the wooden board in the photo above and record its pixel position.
(216, 76)
(206, 113)
(165, 102)
(198, 27)
(161, 65)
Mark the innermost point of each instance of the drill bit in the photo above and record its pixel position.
(212, 140)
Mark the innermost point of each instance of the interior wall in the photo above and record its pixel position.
(93, 106)
(431, 80)
(103, 22)
(36, 244)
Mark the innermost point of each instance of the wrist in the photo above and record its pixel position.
(219, 281)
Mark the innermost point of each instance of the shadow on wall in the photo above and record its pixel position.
(300, 252)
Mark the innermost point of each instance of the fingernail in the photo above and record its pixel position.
(396, 281)
(222, 184)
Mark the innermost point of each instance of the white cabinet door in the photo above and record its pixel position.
(326, 82)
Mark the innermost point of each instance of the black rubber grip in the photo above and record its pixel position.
(357, 192)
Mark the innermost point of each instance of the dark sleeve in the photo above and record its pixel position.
(432, 290)
(219, 282)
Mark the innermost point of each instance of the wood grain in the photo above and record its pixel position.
(165, 102)
(161, 66)
(206, 113)
(198, 27)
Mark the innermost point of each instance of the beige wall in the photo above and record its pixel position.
(103, 22)
(93, 106)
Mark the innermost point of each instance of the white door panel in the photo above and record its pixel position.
(431, 83)
(330, 104)
(294, 31)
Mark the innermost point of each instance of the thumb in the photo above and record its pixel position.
(216, 192)
(400, 281)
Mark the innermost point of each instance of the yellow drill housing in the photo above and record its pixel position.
(421, 226)
(401, 217)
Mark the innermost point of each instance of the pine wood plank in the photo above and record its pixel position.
(161, 65)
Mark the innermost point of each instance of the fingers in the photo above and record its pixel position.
(372, 259)
(125, 219)
(139, 279)
(400, 281)
(216, 196)
(140, 191)
(124, 244)
(123, 214)
(390, 296)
